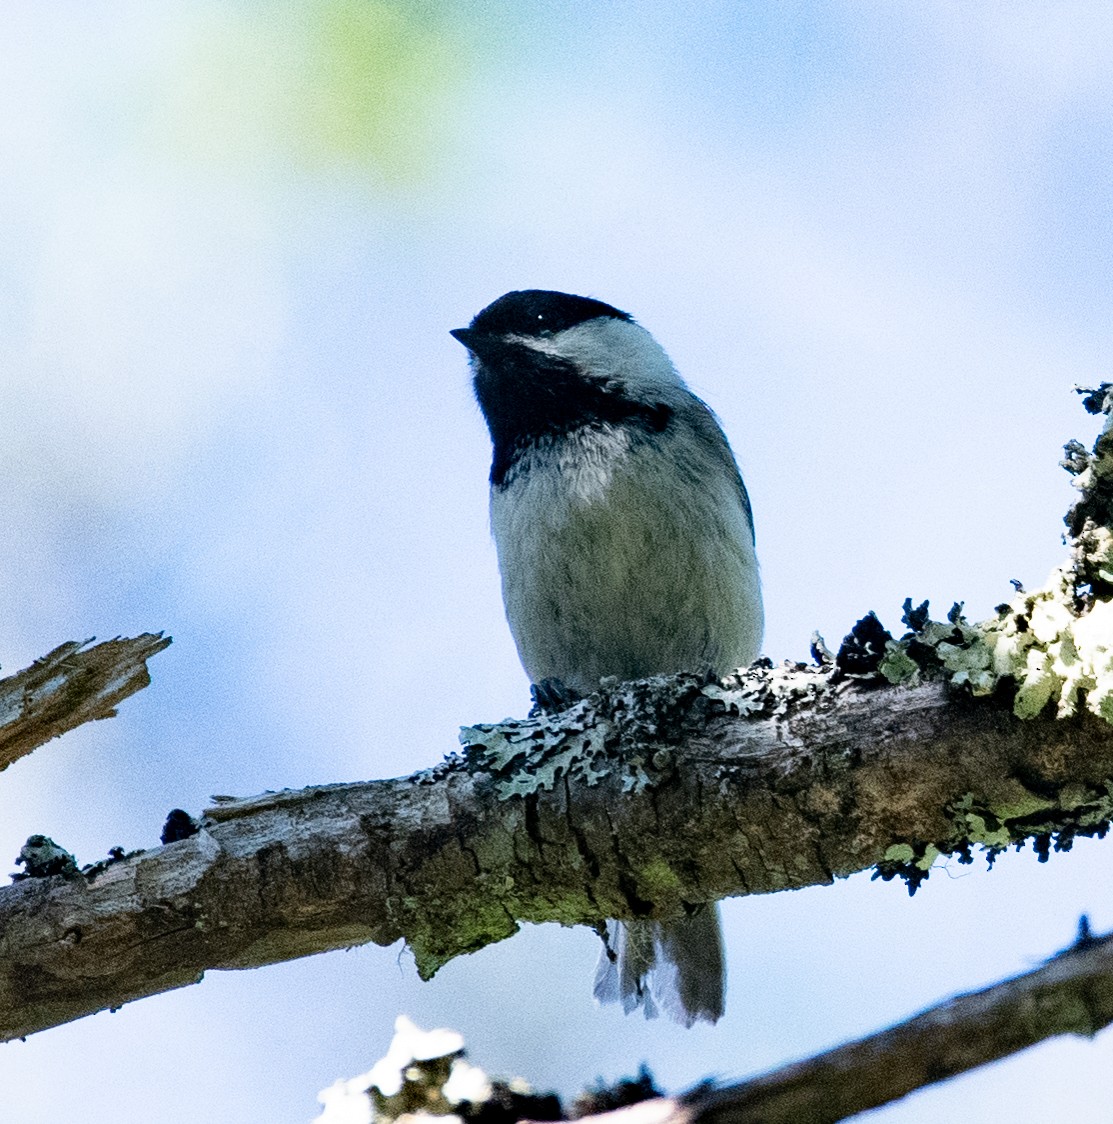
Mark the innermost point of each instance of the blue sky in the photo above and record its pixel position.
(233, 238)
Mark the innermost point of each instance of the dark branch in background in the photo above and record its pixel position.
(72, 685)
(1072, 993)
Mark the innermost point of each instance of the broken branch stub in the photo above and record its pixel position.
(69, 686)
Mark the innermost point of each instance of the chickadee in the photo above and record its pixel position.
(626, 548)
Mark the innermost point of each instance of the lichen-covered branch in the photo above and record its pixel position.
(71, 685)
(1072, 993)
(642, 801)
(668, 792)
(1052, 646)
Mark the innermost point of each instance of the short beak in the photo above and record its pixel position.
(481, 344)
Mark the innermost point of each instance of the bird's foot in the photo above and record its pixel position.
(551, 696)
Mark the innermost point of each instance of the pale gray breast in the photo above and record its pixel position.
(626, 556)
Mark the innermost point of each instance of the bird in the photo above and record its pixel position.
(626, 549)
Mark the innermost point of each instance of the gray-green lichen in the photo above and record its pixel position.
(425, 1079)
(530, 755)
(423, 1076)
(1053, 645)
(1078, 810)
(1041, 642)
(629, 728)
(41, 857)
(625, 727)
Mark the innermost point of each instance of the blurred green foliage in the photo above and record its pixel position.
(309, 85)
(379, 76)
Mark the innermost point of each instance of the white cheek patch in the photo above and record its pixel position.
(610, 349)
(619, 350)
(546, 344)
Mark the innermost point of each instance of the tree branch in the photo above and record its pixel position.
(71, 685)
(635, 803)
(1071, 994)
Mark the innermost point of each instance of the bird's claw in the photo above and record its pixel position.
(551, 696)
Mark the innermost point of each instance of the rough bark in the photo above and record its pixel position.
(71, 685)
(816, 782)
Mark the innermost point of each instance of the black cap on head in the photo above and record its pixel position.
(540, 312)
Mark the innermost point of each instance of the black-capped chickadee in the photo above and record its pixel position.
(626, 548)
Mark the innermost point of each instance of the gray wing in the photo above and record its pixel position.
(707, 424)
